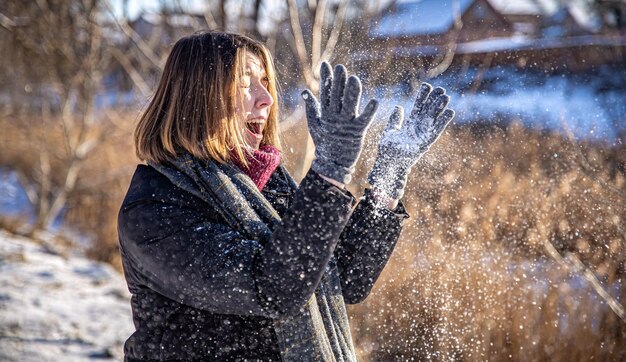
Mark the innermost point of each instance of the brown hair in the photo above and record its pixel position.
(193, 108)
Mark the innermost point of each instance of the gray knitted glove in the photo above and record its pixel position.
(403, 143)
(334, 123)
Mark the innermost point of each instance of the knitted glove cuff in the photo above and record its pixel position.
(334, 171)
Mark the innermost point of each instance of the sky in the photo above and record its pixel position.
(136, 6)
(269, 10)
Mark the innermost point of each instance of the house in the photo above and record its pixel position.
(525, 15)
(550, 18)
(552, 34)
(569, 20)
(436, 22)
(613, 13)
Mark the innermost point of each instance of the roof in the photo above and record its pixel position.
(431, 17)
(491, 45)
(586, 19)
(419, 17)
(524, 7)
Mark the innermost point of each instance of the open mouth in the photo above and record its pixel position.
(255, 127)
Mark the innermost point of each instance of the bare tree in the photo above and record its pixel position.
(444, 60)
(142, 53)
(328, 30)
(323, 29)
(57, 47)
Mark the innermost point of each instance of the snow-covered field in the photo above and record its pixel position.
(588, 106)
(56, 308)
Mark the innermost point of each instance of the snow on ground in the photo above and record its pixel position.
(589, 106)
(55, 308)
(556, 105)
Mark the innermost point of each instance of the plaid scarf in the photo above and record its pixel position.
(321, 331)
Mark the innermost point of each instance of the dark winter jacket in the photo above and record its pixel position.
(203, 291)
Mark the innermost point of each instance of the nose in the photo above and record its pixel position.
(263, 98)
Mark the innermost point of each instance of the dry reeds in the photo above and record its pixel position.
(473, 277)
(103, 176)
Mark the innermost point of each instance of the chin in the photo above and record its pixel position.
(253, 143)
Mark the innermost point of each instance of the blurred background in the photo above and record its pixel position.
(515, 249)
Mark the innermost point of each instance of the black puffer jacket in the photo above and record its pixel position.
(184, 266)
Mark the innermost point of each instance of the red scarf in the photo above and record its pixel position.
(261, 164)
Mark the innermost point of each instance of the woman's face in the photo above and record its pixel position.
(255, 106)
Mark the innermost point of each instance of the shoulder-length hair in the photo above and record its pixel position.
(194, 107)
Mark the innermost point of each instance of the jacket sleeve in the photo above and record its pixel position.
(210, 266)
(365, 246)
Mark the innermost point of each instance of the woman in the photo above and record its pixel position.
(225, 256)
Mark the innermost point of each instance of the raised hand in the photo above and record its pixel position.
(404, 142)
(335, 125)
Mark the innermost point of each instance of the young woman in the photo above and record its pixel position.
(225, 256)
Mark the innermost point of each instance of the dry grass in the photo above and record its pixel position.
(471, 278)
(104, 176)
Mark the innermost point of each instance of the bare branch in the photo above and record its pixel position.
(45, 186)
(6, 22)
(137, 40)
(316, 32)
(135, 76)
(444, 64)
(60, 198)
(299, 43)
(210, 19)
(333, 38)
(309, 69)
(223, 14)
(574, 265)
(114, 117)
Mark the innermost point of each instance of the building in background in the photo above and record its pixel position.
(415, 35)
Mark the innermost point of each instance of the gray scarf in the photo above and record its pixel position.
(321, 332)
